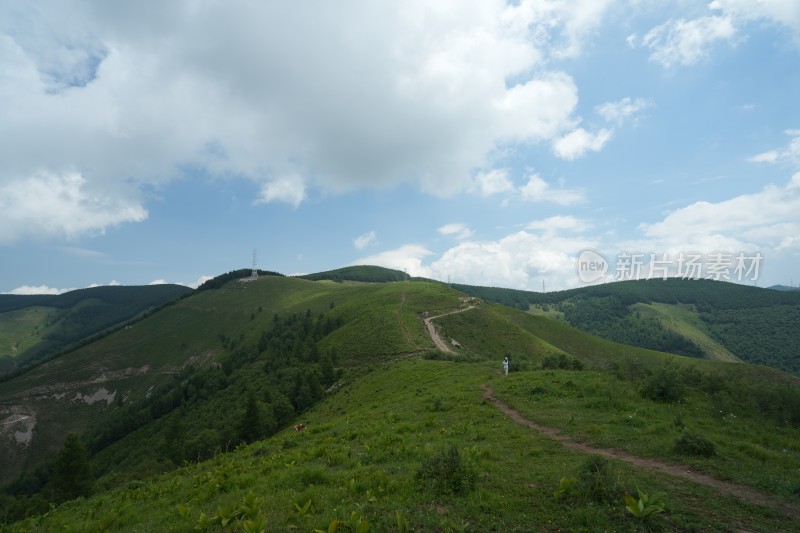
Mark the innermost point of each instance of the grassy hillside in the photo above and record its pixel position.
(79, 390)
(684, 320)
(696, 318)
(364, 457)
(403, 437)
(36, 328)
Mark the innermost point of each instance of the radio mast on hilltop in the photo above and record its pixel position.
(254, 273)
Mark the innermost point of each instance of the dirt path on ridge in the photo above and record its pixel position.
(437, 340)
(682, 471)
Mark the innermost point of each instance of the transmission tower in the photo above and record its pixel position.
(254, 273)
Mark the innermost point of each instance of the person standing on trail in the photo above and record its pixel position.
(505, 365)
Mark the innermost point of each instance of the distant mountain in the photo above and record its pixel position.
(696, 318)
(784, 288)
(38, 327)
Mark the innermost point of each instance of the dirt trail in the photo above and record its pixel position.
(437, 340)
(745, 493)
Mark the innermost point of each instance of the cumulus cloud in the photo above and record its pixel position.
(362, 241)
(568, 23)
(520, 260)
(459, 231)
(38, 289)
(579, 141)
(558, 223)
(789, 155)
(492, 182)
(784, 12)
(538, 190)
(761, 220)
(290, 189)
(65, 206)
(623, 109)
(765, 157)
(408, 258)
(686, 42)
(127, 98)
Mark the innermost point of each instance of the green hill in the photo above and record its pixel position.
(696, 318)
(364, 273)
(38, 327)
(398, 435)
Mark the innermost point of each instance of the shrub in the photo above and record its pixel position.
(694, 444)
(561, 361)
(446, 472)
(663, 385)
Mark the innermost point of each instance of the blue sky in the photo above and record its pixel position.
(482, 141)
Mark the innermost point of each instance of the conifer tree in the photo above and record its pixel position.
(72, 473)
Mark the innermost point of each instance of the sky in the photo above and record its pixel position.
(526, 144)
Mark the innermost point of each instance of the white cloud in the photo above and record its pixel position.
(60, 206)
(407, 258)
(579, 141)
(623, 109)
(791, 154)
(459, 231)
(538, 190)
(521, 260)
(558, 223)
(563, 25)
(158, 282)
(198, 282)
(492, 182)
(362, 241)
(763, 220)
(382, 93)
(765, 157)
(785, 12)
(290, 189)
(38, 289)
(685, 42)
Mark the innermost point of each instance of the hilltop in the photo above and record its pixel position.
(697, 318)
(216, 380)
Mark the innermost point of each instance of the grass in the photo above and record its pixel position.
(599, 409)
(22, 329)
(358, 460)
(685, 321)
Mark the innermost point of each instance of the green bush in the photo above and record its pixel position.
(694, 444)
(447, 472)
(561, 361)
(663, 385)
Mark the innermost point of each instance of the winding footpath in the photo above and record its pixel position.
(437, 340)
(682, 471)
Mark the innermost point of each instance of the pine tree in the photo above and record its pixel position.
(251, 426)
(72, 473)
